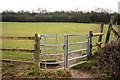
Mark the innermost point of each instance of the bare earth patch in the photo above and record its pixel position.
(81, 74)
(10, 70)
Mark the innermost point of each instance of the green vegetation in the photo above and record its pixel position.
(86, 66)
(49, 74)
(59, 16)
(29, 29)
(17, 55)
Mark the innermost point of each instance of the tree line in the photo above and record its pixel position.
(59, 16)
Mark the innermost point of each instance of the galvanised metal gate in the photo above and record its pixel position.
(64, 51)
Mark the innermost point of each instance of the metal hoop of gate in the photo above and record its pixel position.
(63, 51)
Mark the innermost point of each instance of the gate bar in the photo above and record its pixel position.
(45, 51)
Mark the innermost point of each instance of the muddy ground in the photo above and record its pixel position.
(22, 70)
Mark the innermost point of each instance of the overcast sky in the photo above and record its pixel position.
(53, 5)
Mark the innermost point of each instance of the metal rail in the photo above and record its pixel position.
(77, 64)
(58, 54)
(51, 45)
(77, 58)
(47, 63)
(55, 51)
(77, 50)
(77, 43)
(53, 35)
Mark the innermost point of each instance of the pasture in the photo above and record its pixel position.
(29, 29)
(24, 29)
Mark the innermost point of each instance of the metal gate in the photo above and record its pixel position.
(63, 51)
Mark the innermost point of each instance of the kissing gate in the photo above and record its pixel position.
(63, 51)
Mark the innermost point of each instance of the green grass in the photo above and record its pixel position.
(17, 56)
(29, 29)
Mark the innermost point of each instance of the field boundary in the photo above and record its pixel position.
(19, 61)
(37, 51)
(18, 38)
(18, 50)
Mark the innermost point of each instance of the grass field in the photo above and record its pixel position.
(29, 29)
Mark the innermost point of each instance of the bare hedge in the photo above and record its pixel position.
(108, 59)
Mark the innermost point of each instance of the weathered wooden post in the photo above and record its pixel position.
(108, 33)
(117, 35)
(100, 37)
(90, 35)
(109, 29)
(112, 20)
(37, 52)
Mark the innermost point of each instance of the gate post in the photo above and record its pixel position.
(100, 37)
(90, 43)
(109, 29)
(37, 52)
(65, 52)
(88, 46)
(108, 33)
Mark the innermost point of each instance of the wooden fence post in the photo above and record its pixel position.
(90, 33)
(37, 52)
(108, 33)
(112, 20)
(101, 31)
(109, 29)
